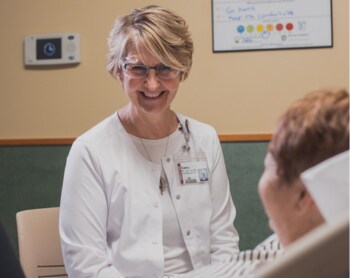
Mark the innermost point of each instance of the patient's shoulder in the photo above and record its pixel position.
(272, 243)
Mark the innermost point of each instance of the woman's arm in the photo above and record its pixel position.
(83, 217)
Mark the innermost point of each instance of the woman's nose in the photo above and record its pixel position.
(152, 81)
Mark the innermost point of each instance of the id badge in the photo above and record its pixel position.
(192, 168)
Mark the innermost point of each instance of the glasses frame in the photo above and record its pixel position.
(124, 64)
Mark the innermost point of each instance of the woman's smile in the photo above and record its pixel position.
(153, 95)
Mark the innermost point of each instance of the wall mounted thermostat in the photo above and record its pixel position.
(52, 49)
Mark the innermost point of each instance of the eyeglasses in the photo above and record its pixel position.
(137, 71)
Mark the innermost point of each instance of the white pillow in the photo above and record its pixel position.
(328, 184)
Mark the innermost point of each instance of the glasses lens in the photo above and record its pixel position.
(165, 72)
(136, 71)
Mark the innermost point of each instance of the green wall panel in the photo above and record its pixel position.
(245, 164)
(31, 177)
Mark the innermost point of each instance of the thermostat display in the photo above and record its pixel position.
(53, 49)
(48, 49)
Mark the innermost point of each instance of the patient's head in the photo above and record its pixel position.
(313, 129)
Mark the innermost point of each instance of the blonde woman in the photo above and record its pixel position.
(133, 202)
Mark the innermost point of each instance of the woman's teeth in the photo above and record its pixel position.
(152, 95)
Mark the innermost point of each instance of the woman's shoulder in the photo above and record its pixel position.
(196, 126)
(101, 132)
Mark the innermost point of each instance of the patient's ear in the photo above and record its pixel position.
(307, 209)
(305, 201)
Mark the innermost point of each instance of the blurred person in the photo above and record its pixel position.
(10, 266)
(311, 137)
(314, 129)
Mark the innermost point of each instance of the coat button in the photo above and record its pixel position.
(188, 233)
(178, 196)
(168, 159)
(155, 205)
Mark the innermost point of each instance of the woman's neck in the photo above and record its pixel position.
(148, 125)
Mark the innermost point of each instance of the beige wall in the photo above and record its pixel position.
(238, 93)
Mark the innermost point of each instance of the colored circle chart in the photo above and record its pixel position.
(250, 28)
(279, 27)
(289, 26)
(240, 29)
(260, 28)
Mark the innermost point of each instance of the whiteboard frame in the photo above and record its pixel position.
(286, 47)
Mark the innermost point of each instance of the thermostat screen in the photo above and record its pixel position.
(48, 49)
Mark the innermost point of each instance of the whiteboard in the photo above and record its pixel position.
(242, 25)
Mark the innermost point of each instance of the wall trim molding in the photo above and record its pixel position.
(69, 141)
(36, 141)
(245, 137)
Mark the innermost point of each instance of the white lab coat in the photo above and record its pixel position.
(110, 217)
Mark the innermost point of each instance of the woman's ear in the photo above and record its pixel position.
(117, 74)
(120, 77)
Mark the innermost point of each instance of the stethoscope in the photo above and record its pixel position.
(186, 132)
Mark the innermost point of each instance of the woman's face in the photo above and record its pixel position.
(150, 94)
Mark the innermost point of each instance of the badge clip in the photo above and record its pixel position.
(186, 133)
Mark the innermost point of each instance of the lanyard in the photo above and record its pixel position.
(186, 132)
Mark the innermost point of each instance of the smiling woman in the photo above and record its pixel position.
(145, 192)
(148, 90)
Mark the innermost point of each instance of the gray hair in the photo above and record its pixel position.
(160, 31)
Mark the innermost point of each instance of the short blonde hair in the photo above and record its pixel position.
(160, 31)
(313, 129)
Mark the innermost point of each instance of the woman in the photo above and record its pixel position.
(133, 204)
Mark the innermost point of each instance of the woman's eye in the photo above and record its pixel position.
(163, 68)
(138, 68)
